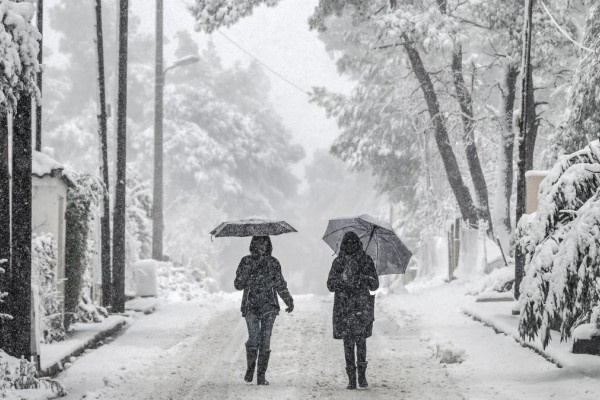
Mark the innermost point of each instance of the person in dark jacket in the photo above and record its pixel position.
(259, 276)
(352, 276)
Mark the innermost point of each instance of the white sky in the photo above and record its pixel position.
(280, 38)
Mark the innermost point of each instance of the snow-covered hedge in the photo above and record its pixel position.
(561, 288)
(19, 48)
(20, 374)
(44, 265)
(183, 283)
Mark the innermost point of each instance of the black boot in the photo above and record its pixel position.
(251, 353)
(263, 363)
(351, 371)
(362, 379)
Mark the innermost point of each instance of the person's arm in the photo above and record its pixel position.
(280, 286)
(369, 279)
(334, 281)
(241, 275)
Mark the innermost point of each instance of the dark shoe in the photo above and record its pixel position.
(361, 367)
(251, 354)
(351, 371)
(263, 363)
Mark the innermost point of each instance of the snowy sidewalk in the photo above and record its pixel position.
(499, 317)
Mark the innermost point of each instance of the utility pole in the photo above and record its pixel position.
(157, 197)
(38, 108)
(105, 255)
(526, 84)
(120, 187)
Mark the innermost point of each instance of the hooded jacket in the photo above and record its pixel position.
(259, 276)
(351, 277)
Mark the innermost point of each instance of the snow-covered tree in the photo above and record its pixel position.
(561, 288)
(582, 117)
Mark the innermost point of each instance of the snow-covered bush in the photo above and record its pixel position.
(44, 260)
(561, 287)
(180, 282)
(19, 374)
(19, 48)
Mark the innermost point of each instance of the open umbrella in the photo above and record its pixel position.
(378, 238)
(252, 227)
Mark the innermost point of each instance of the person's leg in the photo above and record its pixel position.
(266, 327)
(349, 344)
(361, 362)
(253, 324)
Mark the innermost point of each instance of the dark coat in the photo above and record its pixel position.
(259, 276)
(352, 276)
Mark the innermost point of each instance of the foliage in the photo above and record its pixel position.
(44, 260)
(212, 14)
(19, 48)
(82, 199)
(3, 295)
(561, 287)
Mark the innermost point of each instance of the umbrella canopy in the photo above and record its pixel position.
(378, 238)
(252, 227)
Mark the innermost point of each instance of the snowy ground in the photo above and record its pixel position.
(196, 351)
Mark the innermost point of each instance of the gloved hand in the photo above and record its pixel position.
(290, 308)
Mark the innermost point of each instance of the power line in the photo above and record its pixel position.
(277, 74)
(564, 32)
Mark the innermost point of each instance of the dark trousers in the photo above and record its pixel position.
(259, 330)
(361, 350)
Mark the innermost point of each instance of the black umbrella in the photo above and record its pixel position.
(379, 241)
(252, 227)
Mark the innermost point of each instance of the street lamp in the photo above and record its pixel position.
(157, 199)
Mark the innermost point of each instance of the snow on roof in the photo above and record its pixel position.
(44, 165)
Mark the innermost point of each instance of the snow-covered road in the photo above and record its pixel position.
(306, 362)
(196, 351)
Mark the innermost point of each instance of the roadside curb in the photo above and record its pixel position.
(55, 366)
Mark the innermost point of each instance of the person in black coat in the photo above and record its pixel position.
(351, 278)
(259, 276)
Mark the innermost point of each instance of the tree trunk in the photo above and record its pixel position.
(460, 190)
(4, 225)
(119, 206)
(502, 217)
(521, 163)
(532, 124)
(466, 106)
(102, 132)
(38, 108)
(157, 196)
(19, 292)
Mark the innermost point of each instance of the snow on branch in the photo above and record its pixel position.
(19, 48)
(561, 288)
(213, 14)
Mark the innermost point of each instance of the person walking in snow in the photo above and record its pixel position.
(259, 276)
(351, 278)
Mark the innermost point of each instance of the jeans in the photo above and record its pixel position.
(259, 330)
(361, 350)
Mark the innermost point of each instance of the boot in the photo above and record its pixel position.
(251, 353)
(351, 371)
(362, 379)
(263, 363)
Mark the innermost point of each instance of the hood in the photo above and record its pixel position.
(350, 244)
(257, 242)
